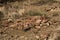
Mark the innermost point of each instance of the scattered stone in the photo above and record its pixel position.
(10, 20)
(47, 24)
(38, 21)
(37, 37)
(37, 27)
(12, 26)
(50, 22)
(41, 25)
(26, 28)
(44, 21)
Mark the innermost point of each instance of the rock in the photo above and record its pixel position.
(37, 37)
(26, 28)
(47, 24)
(44, 27)
(43, 21)
(37, 27)
(14, 25)
(38, 21)
(41, 25)
(21, 12)
(9, 20)
(17, 21)
(50, 22)
(43, 35)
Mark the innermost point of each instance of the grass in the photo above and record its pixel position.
(33, 13)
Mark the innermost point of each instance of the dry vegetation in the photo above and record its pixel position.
(29, 19)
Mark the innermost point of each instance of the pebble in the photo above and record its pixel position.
(43, 36)
(12, 26)
(22, 37)
(26, 27)
(44, 21)
(38, 21)
(50, 22)
(41, 25)
(37, 37)
(9, 20)
(20, 28)
(47, 24)
(37, 27)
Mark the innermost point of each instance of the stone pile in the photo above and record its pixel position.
(27, 23)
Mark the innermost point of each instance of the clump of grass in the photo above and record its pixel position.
(43, 2)
(33, 13)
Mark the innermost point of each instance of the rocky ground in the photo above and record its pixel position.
(30, 20)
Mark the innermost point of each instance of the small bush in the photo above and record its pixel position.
(33, 13)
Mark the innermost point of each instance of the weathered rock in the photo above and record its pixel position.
(38, 22)
(26, 28)
(37, 37)
(37, 27)
(47, 24)
(10, 20)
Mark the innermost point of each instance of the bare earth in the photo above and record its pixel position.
(30, 20)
